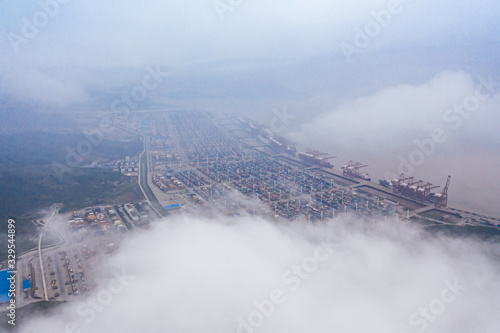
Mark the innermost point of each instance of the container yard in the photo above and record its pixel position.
(213, 163)
(199, 163)
(216, 164)
(227, 163)
(95, 221)
(200, 140)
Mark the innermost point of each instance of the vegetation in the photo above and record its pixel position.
(42, 148)
(29, 183)
(119, 149)
(467, 231)
(28, 189)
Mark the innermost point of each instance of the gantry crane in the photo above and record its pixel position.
(424, 192)
(351, 170)
(441, 199)
(315, 157)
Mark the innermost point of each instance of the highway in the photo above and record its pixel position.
(40, 252)
(142, 179)
(143, 182)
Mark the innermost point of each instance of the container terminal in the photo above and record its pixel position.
(223, 160)
(201, 163)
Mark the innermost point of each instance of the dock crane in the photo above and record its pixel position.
(351, 170)
(323, 161)
(424, 192)
(397, 183)
(413, 187)
(316, 158)
(441, 199)
(404, 185)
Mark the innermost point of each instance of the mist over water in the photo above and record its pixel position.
(192, 274)
(424, 130)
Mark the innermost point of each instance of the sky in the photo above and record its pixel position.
(57, 53)
(428, 130)
(190, 274)
(362, 79)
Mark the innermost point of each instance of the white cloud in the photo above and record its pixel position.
(43, 89)
(395, 116)
(91, 36)
(193, 275)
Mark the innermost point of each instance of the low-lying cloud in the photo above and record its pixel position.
(423, 130)
(79, 42)
(190, 274)
(396, 116)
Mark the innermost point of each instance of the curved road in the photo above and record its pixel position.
(55, 210)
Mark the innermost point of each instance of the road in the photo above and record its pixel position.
(40, 252)
(143, 182)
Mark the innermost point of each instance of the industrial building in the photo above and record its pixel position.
(4, 286)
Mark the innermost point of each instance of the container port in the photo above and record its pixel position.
(314, 157)
(351, 170)
(420, 191)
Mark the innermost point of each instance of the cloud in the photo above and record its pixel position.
(392, 130)
(78, 38)
(38, 87)
(396, 116)
(196, 275)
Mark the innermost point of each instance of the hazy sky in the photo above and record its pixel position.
(197, 275)
(428, 130)
(58, 58)
(363, 78)
(354, 85)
